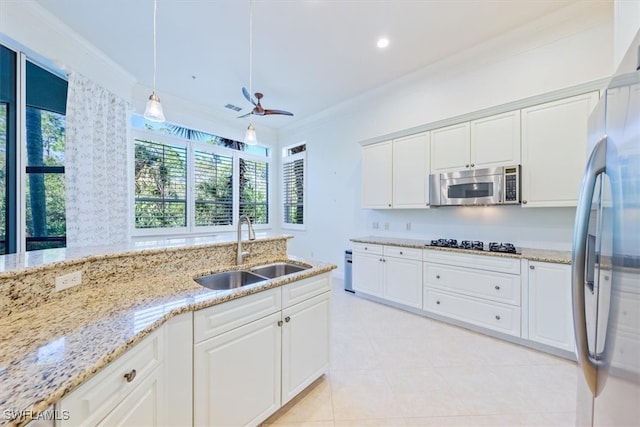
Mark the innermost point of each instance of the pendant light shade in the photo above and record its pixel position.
(250, 137)
(153, 110)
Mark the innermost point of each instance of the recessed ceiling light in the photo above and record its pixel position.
(383, 42)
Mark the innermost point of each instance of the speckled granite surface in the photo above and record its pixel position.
(542, 255)
(51, 345)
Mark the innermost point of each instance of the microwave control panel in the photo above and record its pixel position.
(511, 185)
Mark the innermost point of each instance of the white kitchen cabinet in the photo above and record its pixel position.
(395, 174)
(130, 390)
(550, 306)
(554, 141)
(367, 269)
(450, 148)
(237, 375)
(488, 142)
(495, 141)
(306, 343)
(390, 272)
(477, 289)
(411, 171)
(255, 353)
(377, 176)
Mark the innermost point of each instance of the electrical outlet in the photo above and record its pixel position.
(375, 225)
(386, 225)
(408, 226)
(68, 280)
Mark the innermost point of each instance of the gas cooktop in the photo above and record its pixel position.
(475, 245)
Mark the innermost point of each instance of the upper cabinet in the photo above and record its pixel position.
(488, 142)
(377, 175)
(554, 150)
(395, 173)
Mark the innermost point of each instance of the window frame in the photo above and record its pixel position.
(191, 229)
(289, 158)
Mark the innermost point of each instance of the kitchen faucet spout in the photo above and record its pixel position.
(252, 236)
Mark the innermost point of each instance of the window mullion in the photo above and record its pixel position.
(190, 181)
(21, 154)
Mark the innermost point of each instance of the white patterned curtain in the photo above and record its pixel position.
(96, 165)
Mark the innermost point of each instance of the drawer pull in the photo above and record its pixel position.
(400, 252)
(497, 317)
(437, 276)
(497, 287)
(438, 302)
(366, 248)
(532, 267)
(280, 322)
(287, 319)
(130, 376)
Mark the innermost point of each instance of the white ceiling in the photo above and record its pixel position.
(308, 55)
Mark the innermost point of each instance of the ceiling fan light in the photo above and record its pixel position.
(153, 111)
(250, 135)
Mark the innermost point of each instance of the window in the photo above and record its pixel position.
(293, 185)
(32, 210)
(188, 181)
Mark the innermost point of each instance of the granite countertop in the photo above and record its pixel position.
(542, 255)
(50, 349)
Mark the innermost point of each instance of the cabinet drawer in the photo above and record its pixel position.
(482, 262)
(495, 316)
(401, 252)
(94, 399)
(367, 248)
(296, 292)
(221, 318)
(498, 287)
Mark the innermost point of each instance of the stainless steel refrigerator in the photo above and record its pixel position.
(606, 257)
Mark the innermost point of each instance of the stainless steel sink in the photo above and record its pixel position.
(229, 280)
(277, 269)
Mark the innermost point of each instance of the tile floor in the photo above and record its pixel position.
(393, 368)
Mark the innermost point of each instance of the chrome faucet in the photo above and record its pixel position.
(252, 236)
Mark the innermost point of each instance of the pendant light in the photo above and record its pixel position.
(250, 137)
(153, 112)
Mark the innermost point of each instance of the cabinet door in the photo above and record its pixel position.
(450, 148)
(237, 375)
(495, 140)
(377, 176)
(143, 407)
(554, 141)
(367, 274)
(411, 171)
(305, 344)
(550, 309)
(403, 281)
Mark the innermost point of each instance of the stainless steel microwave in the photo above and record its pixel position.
(476, 187)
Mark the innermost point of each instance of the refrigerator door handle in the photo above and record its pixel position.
(595, 166)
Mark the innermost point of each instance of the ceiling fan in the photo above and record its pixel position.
(258, 110)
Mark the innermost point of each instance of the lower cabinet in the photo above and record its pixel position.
(136, 389)
(484, 292)
(244, 374)
(390, 272)
(550, 305)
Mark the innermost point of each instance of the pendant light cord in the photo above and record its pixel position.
(250, 51)
(155, 8)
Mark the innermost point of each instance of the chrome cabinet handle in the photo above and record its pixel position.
(497, 287)
(595, 166)
(287, 319)
(130, 376)
(497, 317)
(473, 165)
(524, 202)
(466, 166)
(280, 322)
(532, 267)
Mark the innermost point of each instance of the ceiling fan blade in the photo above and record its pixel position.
(284, 113)
(245, 92)
(244, 115)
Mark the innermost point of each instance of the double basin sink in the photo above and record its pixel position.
(238, 278)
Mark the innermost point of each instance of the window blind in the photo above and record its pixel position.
(213, 178)
(293, 191)
(254, 190)
(160, 185)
